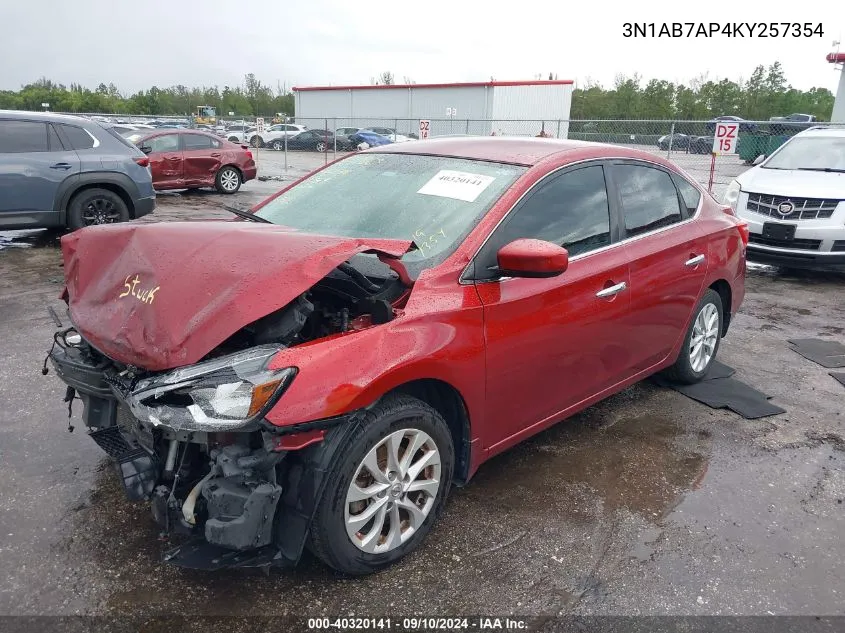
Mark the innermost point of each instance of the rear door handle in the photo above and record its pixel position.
(61, 166)
(177, 157)
(215, 155)
(612, 290)
(695, 261)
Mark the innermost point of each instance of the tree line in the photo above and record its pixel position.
(764, 94)
(253, 98)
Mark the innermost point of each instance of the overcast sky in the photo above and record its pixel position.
(315, 42)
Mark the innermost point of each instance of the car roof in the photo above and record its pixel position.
(45, 116)
(822, 131)
(516, 150)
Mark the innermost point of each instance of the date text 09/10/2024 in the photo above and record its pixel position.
(417, 624)
(719, 29)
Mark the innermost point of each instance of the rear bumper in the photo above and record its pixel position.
(250, 172)
(796, 259)
(144, 206)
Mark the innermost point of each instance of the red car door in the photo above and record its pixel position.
(553, 343)
(165, 161)
(668, 259)
(202, 155)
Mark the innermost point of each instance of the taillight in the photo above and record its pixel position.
(744, 233)
(143, 162)
(249, 154)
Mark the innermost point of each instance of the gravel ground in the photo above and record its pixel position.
(648, 503)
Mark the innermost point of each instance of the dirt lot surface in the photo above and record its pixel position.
(648, 503)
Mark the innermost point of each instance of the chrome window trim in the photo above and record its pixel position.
(96, 140)
(462, 278)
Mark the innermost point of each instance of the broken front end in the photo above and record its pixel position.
(192, 437)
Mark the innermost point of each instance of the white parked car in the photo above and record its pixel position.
(794, 202)
(274, 132)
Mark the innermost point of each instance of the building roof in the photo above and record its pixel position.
(516, 150)
(472, 84)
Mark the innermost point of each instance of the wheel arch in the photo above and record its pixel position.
(725, 292)
(119, 184)
(448, 402)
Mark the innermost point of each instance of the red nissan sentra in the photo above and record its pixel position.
(322, 374)
(190, 159)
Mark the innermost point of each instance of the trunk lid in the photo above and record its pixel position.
(163, 295)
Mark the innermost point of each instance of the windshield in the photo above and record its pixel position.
(811, 152)
(434, 201)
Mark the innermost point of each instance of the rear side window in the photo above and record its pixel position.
(79, 138)
(17, 137)
(199, 141)
(56, 144)
(689, 193)
(649, 198)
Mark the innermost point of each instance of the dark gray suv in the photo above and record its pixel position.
(58, 170)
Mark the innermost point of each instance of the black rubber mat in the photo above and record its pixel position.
(719, 390)
(839, 376)
(830, 354)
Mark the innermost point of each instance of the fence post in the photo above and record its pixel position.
(286, 152)
(671, 138)
(395, 128)
(558, 129)
(334, 135)
(467, 131)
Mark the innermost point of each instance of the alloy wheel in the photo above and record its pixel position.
(321, 147)
(100, 211)
(229, 180)
(705, 335)
(393, 491)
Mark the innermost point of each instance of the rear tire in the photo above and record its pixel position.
(701, 344)
(277, 145)
(410, 422)
(92, 207)
(321, 147)
(228, 180)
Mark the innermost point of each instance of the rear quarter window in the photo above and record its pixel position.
(79, 138)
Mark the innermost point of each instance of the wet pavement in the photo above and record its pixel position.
(648, 503)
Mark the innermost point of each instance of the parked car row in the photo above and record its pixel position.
(684, 143)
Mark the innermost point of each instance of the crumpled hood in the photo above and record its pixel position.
(163, 295)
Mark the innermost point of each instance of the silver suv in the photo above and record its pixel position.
(794, 202)
(66, 171)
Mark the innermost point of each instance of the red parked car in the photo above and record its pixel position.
(324, 373)
(190, 159)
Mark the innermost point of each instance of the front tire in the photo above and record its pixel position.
(701, 344)
(321, 147)
(386, 489)
(92, 207)
(257, 141)
(278, 145)
(228, 180)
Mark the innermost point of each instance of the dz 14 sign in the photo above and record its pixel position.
(726, 138)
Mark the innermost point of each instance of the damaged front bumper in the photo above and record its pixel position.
(194, 443)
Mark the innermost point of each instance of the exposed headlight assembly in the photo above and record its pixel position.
(732, 194)
(221, 394)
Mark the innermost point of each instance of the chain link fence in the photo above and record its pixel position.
(687, 143)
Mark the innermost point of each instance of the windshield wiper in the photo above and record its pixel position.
(833, 170)
(246, 215)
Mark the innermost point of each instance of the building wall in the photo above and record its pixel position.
(472, 108)
(544, 104)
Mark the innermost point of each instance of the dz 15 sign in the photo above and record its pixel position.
(726, 138)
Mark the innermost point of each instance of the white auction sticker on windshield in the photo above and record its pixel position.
(459, 185)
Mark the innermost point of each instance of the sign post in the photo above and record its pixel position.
(425, 126)
(724, 142)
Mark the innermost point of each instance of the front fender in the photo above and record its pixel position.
(346, 372)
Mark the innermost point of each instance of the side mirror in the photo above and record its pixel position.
(146, 149)
(532, 258)
(759, 159)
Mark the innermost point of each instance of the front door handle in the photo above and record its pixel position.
(695, 261)
(215, 155)
(61, 166)
(611, 291)
(177, 157)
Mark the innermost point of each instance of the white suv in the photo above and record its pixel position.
(274, 132)
(794, 202)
